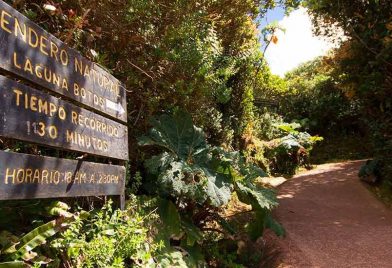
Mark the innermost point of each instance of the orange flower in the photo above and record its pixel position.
(274, 39)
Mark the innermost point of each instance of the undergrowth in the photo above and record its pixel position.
(334, 150)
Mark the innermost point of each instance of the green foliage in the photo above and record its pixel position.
(339, 150)
(189, 168)
(262, 201)
(35, 238)
(19, 251)
(297, 138)
(13, 264)
(266, 123)
(289, 128)
(177, 135)
(311, 96)
(199, 56)
(279, 147)
(100, 238)
(314, 96)
(370, 171)
(184, 169)
(136, 183)
(107, 238)
(196, 179)
(291, 150)
(362, 62)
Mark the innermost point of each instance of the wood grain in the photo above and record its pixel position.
(30, 52)
(25, 176)
(34, 116)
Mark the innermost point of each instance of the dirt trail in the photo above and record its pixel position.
(332, 220)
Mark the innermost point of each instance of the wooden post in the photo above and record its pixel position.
(122, 195)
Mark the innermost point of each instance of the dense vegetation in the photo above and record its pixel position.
(362, 66)
(206, 120)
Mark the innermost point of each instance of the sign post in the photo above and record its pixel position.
(87, 113)
(25, 176)
(28, 51)
(31, 115)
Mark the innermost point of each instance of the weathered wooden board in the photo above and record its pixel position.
(31, 115)
(25, 176)
(30, 52)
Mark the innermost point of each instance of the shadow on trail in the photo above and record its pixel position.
(320, 179)
(332, 220)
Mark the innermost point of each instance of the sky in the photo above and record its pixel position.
(275, 14)
(296, 45)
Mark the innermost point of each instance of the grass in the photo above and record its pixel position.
(383, 192)
(339, 150)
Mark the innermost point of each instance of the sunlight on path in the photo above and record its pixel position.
(332, 220)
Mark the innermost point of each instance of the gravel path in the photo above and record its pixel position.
(332, 220)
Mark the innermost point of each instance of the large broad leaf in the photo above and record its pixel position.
(177, 134)
(193, 233)
(58, 208)
(262, 201)
(250, 171)
(217, 188)
(234, 160)
(275, 226)
(172, 258)
(257, 226)
(34, 239)
(199, 184)
(259, 198)
(289, 128)
(289, 142)
(262, 221)
(186, 169)
(170, 217)
(180, 180)
(158, 163)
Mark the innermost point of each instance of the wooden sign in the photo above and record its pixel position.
(31, 115)
(29, 52)
(25, 176)
(33, 54)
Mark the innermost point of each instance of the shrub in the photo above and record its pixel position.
(291, 150)
(100, 238)
(195, 180)
(107, 238)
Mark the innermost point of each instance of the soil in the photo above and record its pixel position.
(332, 220)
